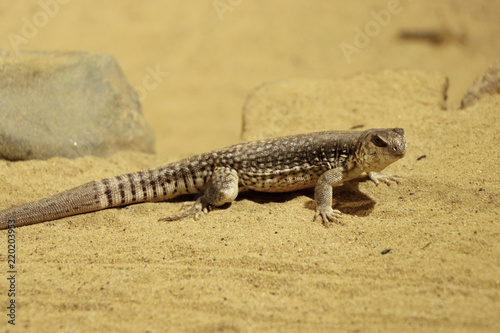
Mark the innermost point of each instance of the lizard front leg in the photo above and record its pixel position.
(221, 188)
(323, 193)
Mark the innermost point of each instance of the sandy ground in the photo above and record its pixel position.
(261, 264)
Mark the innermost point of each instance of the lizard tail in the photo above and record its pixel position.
(82, 199)
(148, 185)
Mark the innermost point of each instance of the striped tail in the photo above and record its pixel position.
(82, 199)
(149, 185)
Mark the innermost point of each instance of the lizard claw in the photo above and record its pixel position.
(200, 205)
(204, 209)
(377, 177)
(327, 215)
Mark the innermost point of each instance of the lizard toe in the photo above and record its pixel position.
(327, 215)
(378, 177)
(200, 205)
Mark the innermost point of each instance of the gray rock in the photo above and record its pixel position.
(485, 85)
(67, 104)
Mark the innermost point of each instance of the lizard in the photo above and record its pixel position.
(319, 160)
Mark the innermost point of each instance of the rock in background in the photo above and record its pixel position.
(485, 85)
(67, 104)
(305, 105)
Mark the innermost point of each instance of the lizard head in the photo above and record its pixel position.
(379, 147)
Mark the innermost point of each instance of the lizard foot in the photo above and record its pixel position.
(378, 177)
(328, 214)
(200, 205)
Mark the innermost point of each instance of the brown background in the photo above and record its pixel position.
(262, 264)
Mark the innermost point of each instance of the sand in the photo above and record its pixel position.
(261, 264)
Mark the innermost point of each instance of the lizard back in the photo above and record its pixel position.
(289, 163)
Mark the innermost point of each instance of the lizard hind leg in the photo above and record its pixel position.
(221, 188)
(200, 205)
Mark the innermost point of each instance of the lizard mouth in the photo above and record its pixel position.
(400, 145)
(400, 150)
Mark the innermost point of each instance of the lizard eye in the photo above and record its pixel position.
(379, 142)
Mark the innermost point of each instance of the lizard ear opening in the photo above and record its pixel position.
(379, 142)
